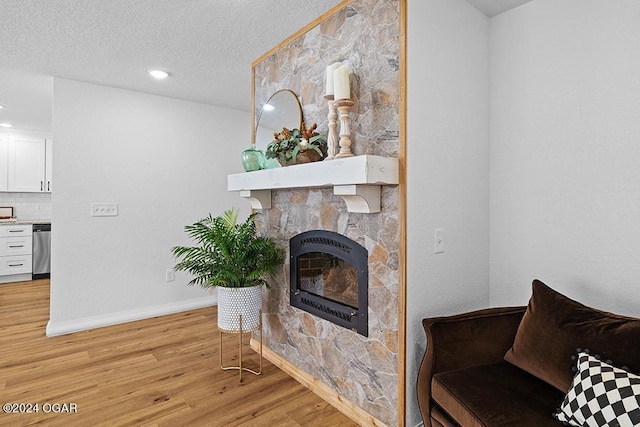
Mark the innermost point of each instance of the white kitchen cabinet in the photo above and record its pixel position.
(10, 230)
(26, 164)
(3, 163)
(15, 264)
(16, 246)
(15, 249)
(48, 169)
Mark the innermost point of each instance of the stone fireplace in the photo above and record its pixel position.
(348, 366)
(329, 278)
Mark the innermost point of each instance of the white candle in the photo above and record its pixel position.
(341, 88)
(329, 78)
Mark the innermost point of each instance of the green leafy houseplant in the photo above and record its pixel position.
(228, 254)
(297, 146)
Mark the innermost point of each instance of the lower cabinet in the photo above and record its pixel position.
(15, 264)
(15, 249)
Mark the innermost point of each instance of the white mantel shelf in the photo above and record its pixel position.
(356, 179)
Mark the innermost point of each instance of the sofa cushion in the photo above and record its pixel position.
(601, 394)
(553, 326)
(496, 395)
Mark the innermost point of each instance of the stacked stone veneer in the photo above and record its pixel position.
(364, 370)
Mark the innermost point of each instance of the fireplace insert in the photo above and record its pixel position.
(329, 278)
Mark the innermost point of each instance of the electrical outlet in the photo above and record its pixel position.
(170, 275)
(438, 240)
(104, 209)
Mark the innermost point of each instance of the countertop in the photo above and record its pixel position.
(21, 222)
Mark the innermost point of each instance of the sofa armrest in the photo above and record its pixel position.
(464, 340)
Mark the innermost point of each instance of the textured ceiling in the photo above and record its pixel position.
(206, 45)
(28, 100)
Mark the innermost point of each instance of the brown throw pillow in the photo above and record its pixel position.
(554, 326)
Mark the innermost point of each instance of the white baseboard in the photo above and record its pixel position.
(15, 278)
(69, 326)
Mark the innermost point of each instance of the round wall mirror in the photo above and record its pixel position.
(281, 110)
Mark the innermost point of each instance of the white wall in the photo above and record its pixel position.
(565, 152)
(447, 168)
(165, 162)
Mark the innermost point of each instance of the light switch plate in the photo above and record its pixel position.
(104, 209)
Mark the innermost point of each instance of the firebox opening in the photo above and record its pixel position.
(329, 278)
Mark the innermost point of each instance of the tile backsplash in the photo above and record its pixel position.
(28, 206)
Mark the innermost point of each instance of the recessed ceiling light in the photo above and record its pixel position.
(158, 74)
(2, 106)
(6, 125)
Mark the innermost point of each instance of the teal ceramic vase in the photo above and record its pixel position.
(253, 159)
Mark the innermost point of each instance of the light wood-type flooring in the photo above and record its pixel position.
(156, 372)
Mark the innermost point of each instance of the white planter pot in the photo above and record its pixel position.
(233, 302)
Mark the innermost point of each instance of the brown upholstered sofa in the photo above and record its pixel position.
(465, 380)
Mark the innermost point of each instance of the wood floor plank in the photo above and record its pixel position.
(160, 372)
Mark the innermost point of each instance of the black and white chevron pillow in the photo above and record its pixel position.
(601, 395)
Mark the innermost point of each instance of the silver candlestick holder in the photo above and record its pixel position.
(344, 107)
(332, 137)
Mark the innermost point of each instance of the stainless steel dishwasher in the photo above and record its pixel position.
(41, 251)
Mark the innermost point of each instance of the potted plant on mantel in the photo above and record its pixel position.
(295, 146)
(233, 258)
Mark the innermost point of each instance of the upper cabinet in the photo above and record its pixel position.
(3, 163)
(28, 164)
(48, 165)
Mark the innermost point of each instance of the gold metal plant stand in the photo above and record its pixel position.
(240, 332)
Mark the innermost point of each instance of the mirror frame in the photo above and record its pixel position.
(256, 122)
